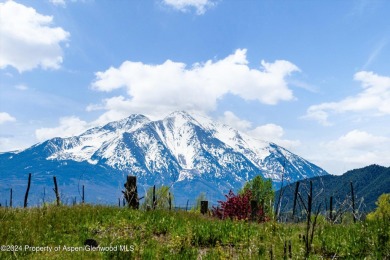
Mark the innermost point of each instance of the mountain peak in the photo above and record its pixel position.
(180, 114)
(193, 154)
(127, 123)
(180, 118)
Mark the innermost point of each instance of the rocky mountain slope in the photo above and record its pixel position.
(189, 153)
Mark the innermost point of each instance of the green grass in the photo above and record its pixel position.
(177, 235)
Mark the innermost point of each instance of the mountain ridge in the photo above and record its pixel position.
(189, 153)
(368, 182)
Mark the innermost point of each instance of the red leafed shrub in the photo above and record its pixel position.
(237, 207)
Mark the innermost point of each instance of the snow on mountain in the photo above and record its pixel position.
(190, 153)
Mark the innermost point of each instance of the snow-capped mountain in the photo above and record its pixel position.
(190, 153)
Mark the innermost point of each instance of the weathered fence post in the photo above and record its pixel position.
(353, 203)
(131, 193)
(27, 191)
(254, 209)
(44, 196)
(187, 205)
(309, 206)
(169, 201)
(10, 198)
(204, 205)
(56, 190)
(295, 198)
(83, 196)
(154, 197)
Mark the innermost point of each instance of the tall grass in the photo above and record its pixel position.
(175, 235)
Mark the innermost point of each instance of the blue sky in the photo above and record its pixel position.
(312, 76)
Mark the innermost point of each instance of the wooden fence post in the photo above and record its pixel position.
(154, 197)
(309, 206)
(56, 190)
(353, 203)
(27, 191)
(254, 209)
(131, 193)
(10, 199)
(295, 198)
(83, 196)
(170, 201)
(204, 205)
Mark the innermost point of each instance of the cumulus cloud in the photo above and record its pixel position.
(28, 39)
(230, 119)
(268, 132)
(273, 133)
(173, 86)
(200, 6)
(5, 117)
(374, 98)
(69, 126)
(355, 149)
(358, 140)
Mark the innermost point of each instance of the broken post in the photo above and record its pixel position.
(309, 209)
(10, 198)
(353, 203)
(204, 205)
(154, 197)
(83, 196)
(130, 193)
(56, 190)
(295, 198)
(169, 201)
(254, 209)
(27, 191)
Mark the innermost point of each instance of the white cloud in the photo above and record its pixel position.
(359, 140)
(118, 107)
(61, 3)
(230, 119)
(185, 5)
(69, 126)
(161, 89)
(10, 143)
(28, 40)
(268, 132)
(375, 99)
(5, 117)
(355, 149)
(273, 133)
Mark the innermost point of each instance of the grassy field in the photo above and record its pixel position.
(121, 233)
